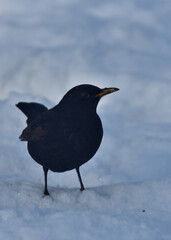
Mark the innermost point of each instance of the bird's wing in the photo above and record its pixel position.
(31, 134)
(39, 128)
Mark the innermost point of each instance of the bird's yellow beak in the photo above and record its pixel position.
(106, 91)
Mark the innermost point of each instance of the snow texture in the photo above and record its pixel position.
(46, 48)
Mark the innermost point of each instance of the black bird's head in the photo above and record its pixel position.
(85, 96)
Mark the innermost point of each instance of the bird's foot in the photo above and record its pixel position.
(82, 189)
(46, 192)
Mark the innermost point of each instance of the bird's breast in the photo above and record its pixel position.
(68, 145)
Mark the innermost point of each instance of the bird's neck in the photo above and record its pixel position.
(79, 112)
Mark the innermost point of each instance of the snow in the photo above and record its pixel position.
(136, 211)
(47, 47)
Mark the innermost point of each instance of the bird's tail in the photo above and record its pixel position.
(31, 110)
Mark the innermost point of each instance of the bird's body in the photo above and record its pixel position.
(68, 135)
(63, 145)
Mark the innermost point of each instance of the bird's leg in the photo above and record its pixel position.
(45, 175)
(80, 180)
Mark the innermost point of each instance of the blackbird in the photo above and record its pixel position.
(69, 134)
(32, 110)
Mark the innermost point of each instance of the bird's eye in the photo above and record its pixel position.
(85, 95)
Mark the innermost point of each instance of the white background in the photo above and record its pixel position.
(47, 47)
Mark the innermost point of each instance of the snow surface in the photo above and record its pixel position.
(46, 48)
